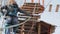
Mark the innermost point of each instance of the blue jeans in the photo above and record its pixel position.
(11, 21)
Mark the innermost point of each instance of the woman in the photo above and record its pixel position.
(12, 9)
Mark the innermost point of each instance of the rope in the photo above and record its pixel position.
(1, 1)
(30, 31)
(17, 24)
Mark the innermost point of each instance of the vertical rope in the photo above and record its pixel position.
(22, 28)
(30, 31)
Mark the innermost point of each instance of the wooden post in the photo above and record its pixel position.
(38, 1)
(43, 2)
(50, 31)
(57, 7)
(22, 31)
(24, 1)
(50, 7)
(39, 28)
(32, 1)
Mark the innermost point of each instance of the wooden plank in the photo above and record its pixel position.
(24, 1)
(26, 9)
(50, 7)
(39, 28)
(32, 3)
(32, 7)
(29, 9)
(57, 8)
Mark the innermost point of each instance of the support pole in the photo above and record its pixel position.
(24, 1)
(39, 28)
(43, 2)
(57, 8)
(50, 31)
(50, 7)
(32, 1)
(38, 1)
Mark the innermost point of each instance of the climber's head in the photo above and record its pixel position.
(11, 2)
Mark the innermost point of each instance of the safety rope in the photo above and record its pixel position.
(2, 25)
(17, 24)
(34, 22)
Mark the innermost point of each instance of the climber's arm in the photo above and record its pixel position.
(23, 12)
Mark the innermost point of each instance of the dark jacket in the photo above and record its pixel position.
(13, 9)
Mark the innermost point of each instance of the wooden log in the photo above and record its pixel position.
(24, 1)
(38, 1)
(49, 27)
(32, 1)
(39, 28)
(50, 7)
(57, 8)
(50, 31)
